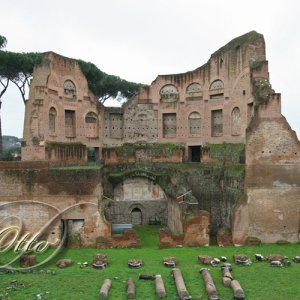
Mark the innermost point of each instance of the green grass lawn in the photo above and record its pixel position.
(259, 281)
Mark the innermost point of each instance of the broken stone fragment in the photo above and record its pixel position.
(135, 263)
(240, 257)
(170, 261)
(63, 263)
(275, 257)
(27, 261)
(99, 261)
(205, 259)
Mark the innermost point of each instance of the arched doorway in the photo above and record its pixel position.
(136, 216)
(137, 201)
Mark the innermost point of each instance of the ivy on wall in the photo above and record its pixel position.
(226, 152)
(156, 150)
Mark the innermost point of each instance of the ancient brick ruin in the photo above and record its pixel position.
(200, 152)
(212, 104)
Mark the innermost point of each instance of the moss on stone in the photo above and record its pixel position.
(225, 152)
(249, 37)
(155, 149)
(261, 89)
(118, 177)
(74, 239)
(78, 167)
(52, 145)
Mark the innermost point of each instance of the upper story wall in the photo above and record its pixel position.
(60, 109)
(212, 104)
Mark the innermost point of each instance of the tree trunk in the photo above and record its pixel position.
(4, 85)
(160, 287)
(209, 284)
(181, 289)
(130, 289)
(1, 144)
(103, 294)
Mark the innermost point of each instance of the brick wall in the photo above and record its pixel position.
(154, 115)
(111, 156)
(195, 232)
(35, 196)
(270, 210)
(24, 165)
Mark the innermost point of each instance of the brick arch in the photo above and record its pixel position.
(216, 85)
(236, 121)
(70, 89)
(143, 194)
(136, 205)
(91, 128)
(194, 119)
(114, 180)
(216, 89)
(240, 77)
(194, 87)
(169, 93)
(137, 212)
(52, 119)
(138, 189)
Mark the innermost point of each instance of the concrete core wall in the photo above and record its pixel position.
(271, 209)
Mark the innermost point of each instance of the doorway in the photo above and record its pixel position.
(74, 229)
(93, 154)
(136, 216)
(195, 153)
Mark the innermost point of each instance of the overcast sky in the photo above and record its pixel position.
(139, 39)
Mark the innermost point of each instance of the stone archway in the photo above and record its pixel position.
(138, 201)
(136, 216)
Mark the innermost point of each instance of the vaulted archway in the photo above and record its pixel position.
(138, 201)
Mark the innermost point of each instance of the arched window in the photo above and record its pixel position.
(91, 125)
(194, 88)
(216, 89)
(91, 117)
(136, 216)
(69, 88)
(169, 93)
(236, 121)
(195, 123)
(52, 119)
(216, 85)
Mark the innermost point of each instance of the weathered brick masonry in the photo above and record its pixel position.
(223, 117)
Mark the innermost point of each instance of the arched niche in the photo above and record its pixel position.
(136, 216)
(194, 92)
(91, 125)
(169, 93)
(138, 201)
(138, 189)
(216, 85)
(194, 123)
(52, 120)
(91, 117)
(194, 88)
(216, 89)
(236, 121)
(69, 89)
